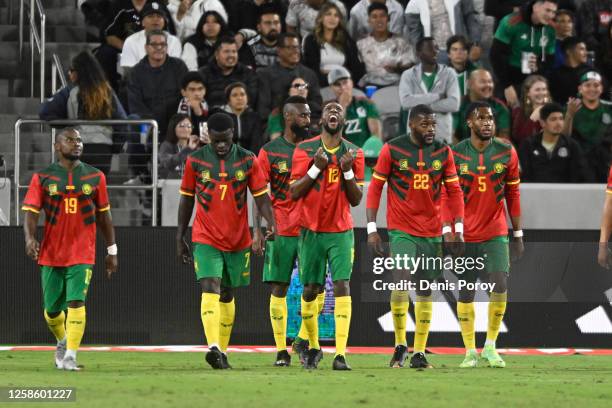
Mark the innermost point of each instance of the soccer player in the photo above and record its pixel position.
(275, 159)
(603, 256)
(415, 167)
(217, 176)
(327, 178)
(74, 197)
(488, 171)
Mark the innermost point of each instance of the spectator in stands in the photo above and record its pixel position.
(526, 116)
(433, 19)
(550, 156)
(186, 14)
(153, 17)
(566, 77)
(603, 59)
(275, 79)
(432, 84)
(224, 70)
(458, 48)
(244, 14)
(361, 115)
(276, 124)
(89, 96)
(359, 25)
(155, 82)
(524, 44)
(180, 142)
(193, 102)
(593, 20)
(199, 49)
(260, 51)
(302, 14)
(564, 28)
(98, 13)
(330, 45)
(480, 89)
(385, 54)
(501, 8)
(371, 150)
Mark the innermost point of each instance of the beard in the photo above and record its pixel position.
(332, 131)
(300, 132)
(272, 36)
(482, 137)
(72, 157)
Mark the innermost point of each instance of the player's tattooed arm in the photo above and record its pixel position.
(301, 187)
(29, 229)
(264, 205)
(353, 191)
(184, 215)
(105, 223)
(258, 238)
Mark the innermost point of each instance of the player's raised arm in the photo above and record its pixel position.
(513, 201)
(185, 210)
(379, 178)
(353, 179)
(302, 176)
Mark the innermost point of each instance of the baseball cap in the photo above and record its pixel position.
(152, 8)
(589, 75)
(371, 148)
(337, 73)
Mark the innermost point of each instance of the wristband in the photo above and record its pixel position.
(446, 229)
(112, 250)
(371, 226)
(313, 172)
(349, 175)
(517, 234)
(459, 228)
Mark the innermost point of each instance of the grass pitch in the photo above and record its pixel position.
(137, 379)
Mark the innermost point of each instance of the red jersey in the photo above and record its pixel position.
(219, 187)
(70, 200)
(415, 175)
(325, 208)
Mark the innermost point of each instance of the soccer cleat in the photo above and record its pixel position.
(313, 356)
(283, 359)
(69, 364)
(418, 360)
(300, 347)
(340, 363)
(224, 363)
(60, 352)
(214, 357)
(490, 354)
(470, 360)
(399, 356)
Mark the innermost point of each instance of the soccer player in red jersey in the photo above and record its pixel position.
(74, 198)
(217, 176)
(416, 168)
(488, 171)
(604, 257)
(327, 178)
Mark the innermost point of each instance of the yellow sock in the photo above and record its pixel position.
(342, 318)
(75, 327)
(497, 308)
(466, 316)
(422, 311)
(210, 313)
(227, 313)
(320, 302)
(278, 318)
(399, 311)
(56, 325)
(311, 321)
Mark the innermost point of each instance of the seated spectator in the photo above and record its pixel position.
(524, 44)
(302, 14)
(260, 51)
(193, 102)
(275, 128)
(593, 20)
(564, 28)
(359, 18)
(180, 142)
(275, 79)
(186, 14)
(153, 17)
(330, 45)
(603, 59)
(89, 96)
(371, 150)
(244, 14)
(385, 54)
(199, 49)
(431, 84)
(434, 18)
(98, 13)
(526, 116)
(361, 116)
(566, 77)
(224, 70)
(550, 156)
(247, 123)
(458, 48)
(480, 89)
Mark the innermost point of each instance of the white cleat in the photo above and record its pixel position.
(69, 364)
(60, 352)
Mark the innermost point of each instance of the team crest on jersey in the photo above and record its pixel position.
(52, 189)
(436, 164)
(361, 112)
(239, 175)
(282, 167)
(86, 189)
(403, 164)
(205, 174)
(498, 167)
(463, 168)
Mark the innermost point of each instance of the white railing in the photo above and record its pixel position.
(57, 71)
(37, 41)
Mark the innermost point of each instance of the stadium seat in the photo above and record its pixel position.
(388, 104)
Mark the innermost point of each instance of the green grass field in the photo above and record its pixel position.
(130, 379)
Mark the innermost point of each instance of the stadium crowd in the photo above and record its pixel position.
(161, 58)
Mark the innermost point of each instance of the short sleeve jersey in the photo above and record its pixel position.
(220, 190)
(484, 177)
(356, 128)
(275, 158)
(325, 208)
(414, 177)
(70, 200)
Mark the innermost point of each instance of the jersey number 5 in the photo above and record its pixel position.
(482, 185)
(70, 205)
(421, 181)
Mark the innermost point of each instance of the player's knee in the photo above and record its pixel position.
(500, 280)
(310, 292)
(74, 304)
(342, 288)
(211, 285)
(226, 295)
(466, 296)
(53, 315)
(279, 290)
(423, 292)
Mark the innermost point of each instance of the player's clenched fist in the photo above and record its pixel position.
(375, 244)
(346, 161)
(321, 159)
(32, 248)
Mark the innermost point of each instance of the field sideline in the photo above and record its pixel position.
(129, 379)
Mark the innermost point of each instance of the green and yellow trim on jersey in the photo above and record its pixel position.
(186, 193)
(30, 208)
(104, 208)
